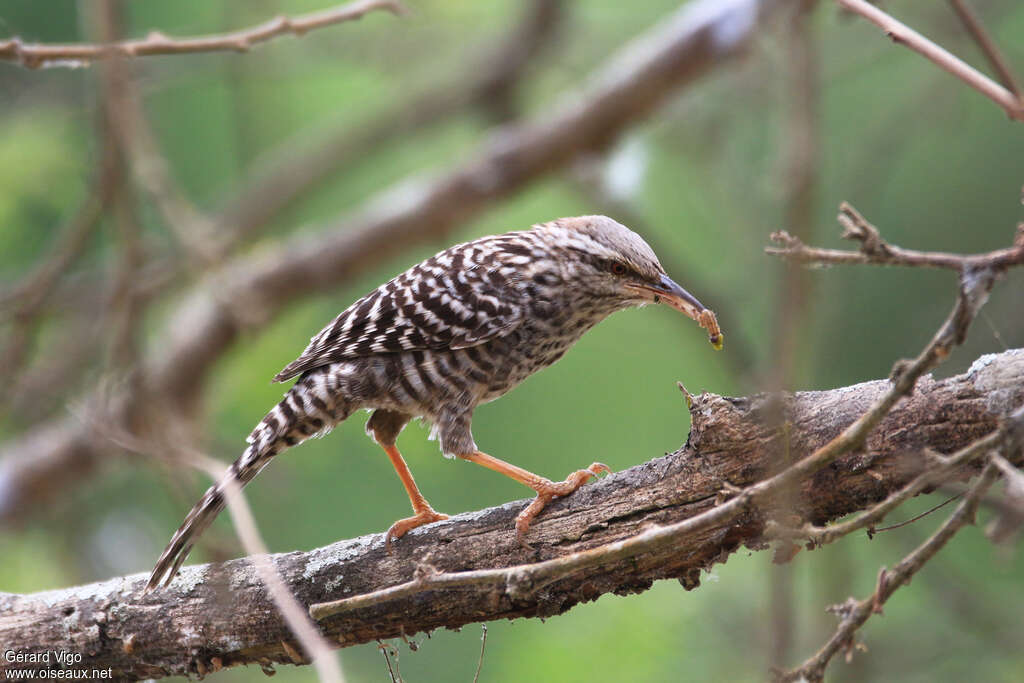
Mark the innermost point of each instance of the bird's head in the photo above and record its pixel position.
(609, 262)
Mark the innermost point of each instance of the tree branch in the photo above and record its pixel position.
(23, 304)
(988, 47)
(37, 55)
(904, 35)
(876, 251)
(939, 470)
(855, 614)
(220, 615)
(635, 81)
(313, 644)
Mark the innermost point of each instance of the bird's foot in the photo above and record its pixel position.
(402, 526)
(548, 490)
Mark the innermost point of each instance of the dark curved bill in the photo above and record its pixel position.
(669, 292)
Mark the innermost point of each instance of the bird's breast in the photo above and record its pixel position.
(533, 346)
(427, 382)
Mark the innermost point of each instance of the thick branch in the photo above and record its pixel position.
(218, 615)
(35, 55)
(634, 82)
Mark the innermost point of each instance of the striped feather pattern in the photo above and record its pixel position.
(459, 329)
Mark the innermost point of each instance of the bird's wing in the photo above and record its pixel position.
(444, 302)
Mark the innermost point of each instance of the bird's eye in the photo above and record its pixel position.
(618, 268)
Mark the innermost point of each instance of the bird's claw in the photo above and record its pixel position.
(550, 490)
(403, 526)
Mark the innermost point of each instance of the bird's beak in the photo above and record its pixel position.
(669, 292)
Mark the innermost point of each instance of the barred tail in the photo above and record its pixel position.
(305, 411)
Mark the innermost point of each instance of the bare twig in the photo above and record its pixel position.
(987, 45)
(194, 230)
(903, 34)
(25, 301)
(800, 154)
(171, 443)
(386, 650)
(875, 250)
(483, 646)
(977, 275)
(873, 531)
(854, 614)
(940, 470)
(324, 660)
(131, 132)
(36, 55)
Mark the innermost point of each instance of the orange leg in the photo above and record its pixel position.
(545, 488)
(424, 513)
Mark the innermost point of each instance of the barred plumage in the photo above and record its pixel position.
(457, 330)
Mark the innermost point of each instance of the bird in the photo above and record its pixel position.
(459, 329)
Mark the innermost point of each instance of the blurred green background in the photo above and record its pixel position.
(933, 164)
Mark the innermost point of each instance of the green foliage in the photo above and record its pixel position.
(41, 179)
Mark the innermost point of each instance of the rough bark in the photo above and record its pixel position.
(221, 615)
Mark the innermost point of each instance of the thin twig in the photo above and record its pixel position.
(854, 614)
(385, 648)
(987, 45)
(36, 55)
(876, 251)
(24, 302)
(124, 308)
(173, 435)
(193, 230)
(199, 236)
(941, 469)
(903, 34)
(872, 531)
(480, 661)
(316, 647)
(800, 154)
